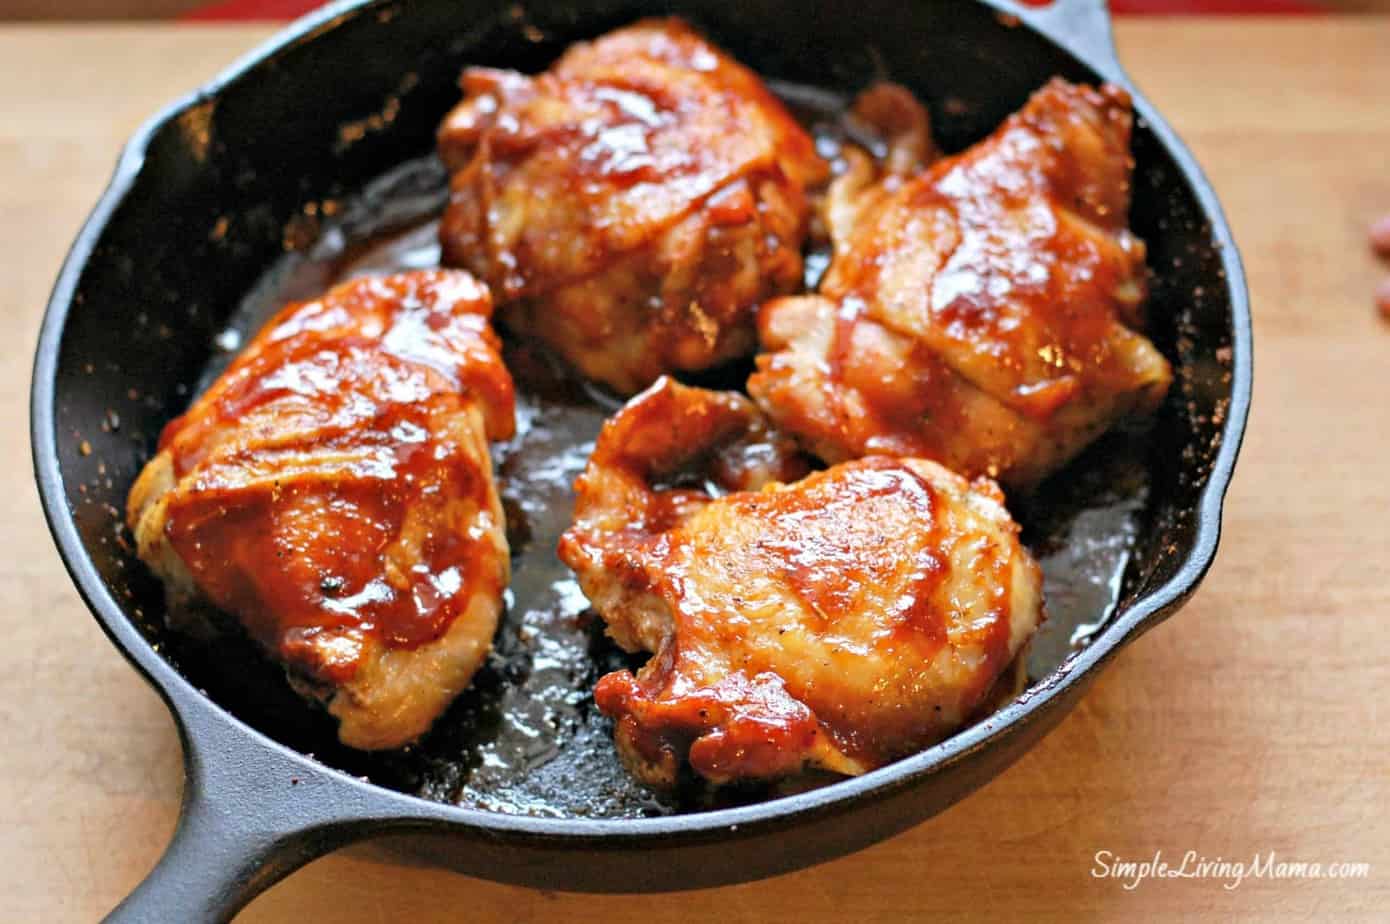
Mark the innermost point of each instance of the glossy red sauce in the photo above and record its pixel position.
(910, 406)
(616, 142)
(822, 545)
(862, 548)
(1027, 294)
(984, 311)
(333, 482)
(736, 728)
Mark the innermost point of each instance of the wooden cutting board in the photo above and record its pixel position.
(1254, 721)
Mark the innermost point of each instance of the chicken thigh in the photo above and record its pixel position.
(332, 491)
(839, 622)
(983, 312)
(632, 205)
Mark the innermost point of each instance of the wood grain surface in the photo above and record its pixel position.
(1253, 721)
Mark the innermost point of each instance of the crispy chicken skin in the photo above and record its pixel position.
(632, 205)
(982, 312)
(839, 622)
(333, 492)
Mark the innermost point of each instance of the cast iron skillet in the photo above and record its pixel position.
(208, 195)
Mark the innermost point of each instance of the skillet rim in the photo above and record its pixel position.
(191, 709)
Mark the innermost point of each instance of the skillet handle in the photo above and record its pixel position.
(1081, 26)
(250, 817)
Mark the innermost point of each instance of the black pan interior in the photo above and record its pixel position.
(317, 163)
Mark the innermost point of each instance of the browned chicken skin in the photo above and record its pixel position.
(632, 205)
(333, 492)
(983, 311)
(840, 621)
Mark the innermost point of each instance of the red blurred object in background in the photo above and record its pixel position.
(288, 9)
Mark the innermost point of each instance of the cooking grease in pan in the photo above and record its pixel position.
(526, 737)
